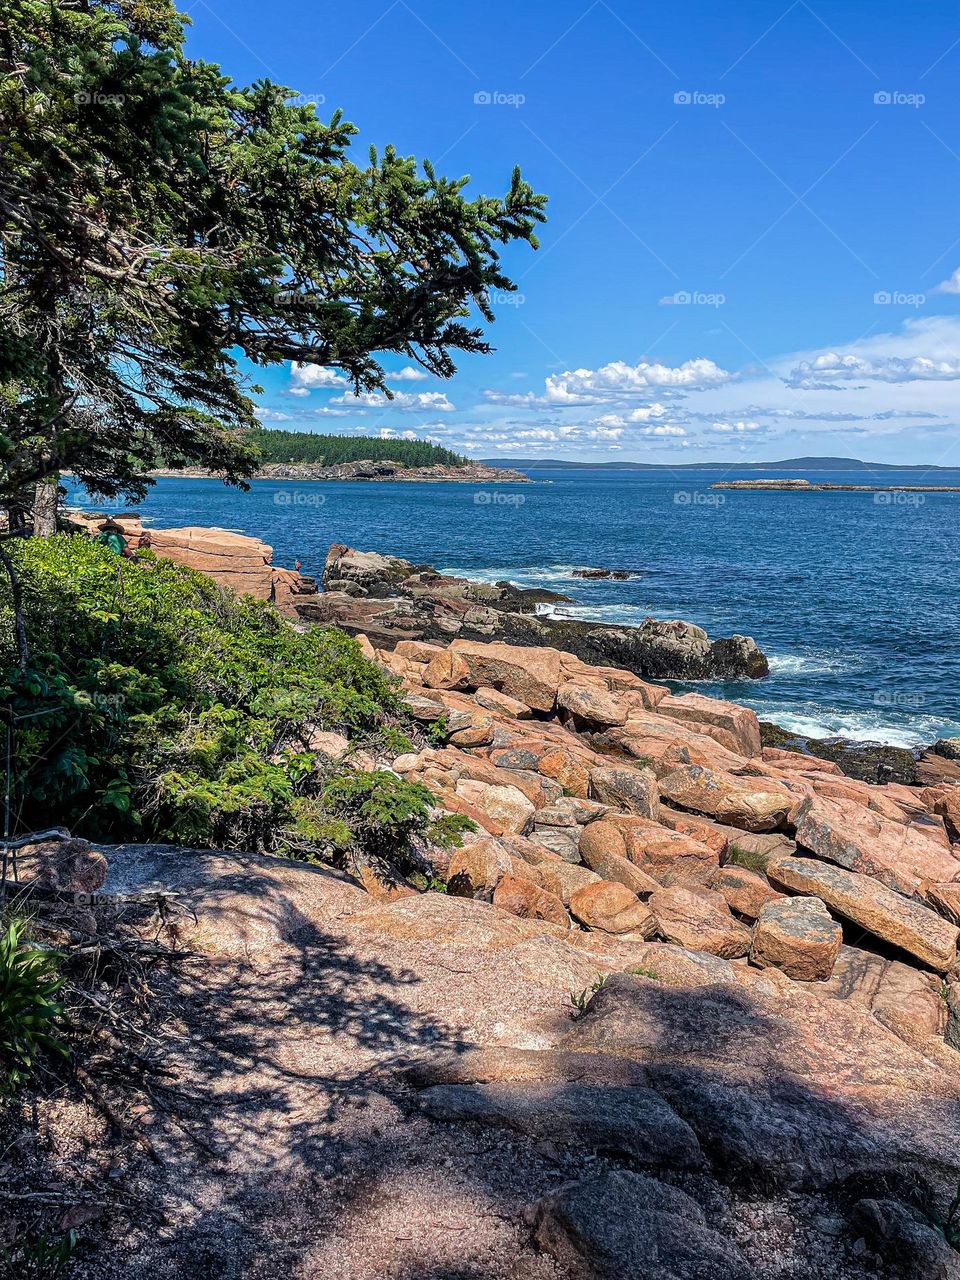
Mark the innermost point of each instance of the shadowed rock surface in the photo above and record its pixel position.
(362, 1088)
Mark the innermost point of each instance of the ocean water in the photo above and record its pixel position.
(853, 596)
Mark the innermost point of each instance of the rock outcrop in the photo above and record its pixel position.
(380, 1078)
(611, 809)
(761, 954)
(391, 599)
(234, 560)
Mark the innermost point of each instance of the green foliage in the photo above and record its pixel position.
(580, 999)
(330, 451)
(750, 860)
(160, 225)
(38, 1257)
(438, 731)
(172, 710)
(383, 812)
(642, 972)
(29, 1009)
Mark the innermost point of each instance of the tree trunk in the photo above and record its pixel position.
(45, 503)
(16, 599)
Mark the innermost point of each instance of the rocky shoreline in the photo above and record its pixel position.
(392, 599)
(683, 1005)
(816, 486)
(367, 470)
(677, 988)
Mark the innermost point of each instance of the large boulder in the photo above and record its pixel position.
(477, 869)
(565, 878)
(612, 908)
(627, 789)
(521, 897)
(633, 1123)
(906, 1000)
(744, 891)
(373, 572)
(699, 920)
(739, 723)
(562, 766)
(755, 804)
(862, 840)
(702, 830)
(626, 1226)
(592, 706)
(663, 743)
(680, 650)
(507, 806)
(232, 559)
(799, 937)
(669, 857)
(531, 676)
(888, 915)
(603, 850)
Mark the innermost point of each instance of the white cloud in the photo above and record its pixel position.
(512, 397)
(409, 374)
(735, 428)
(270, 415)
(831, 367)
(621, 381)
(899, 388)
(314, 377)
(643, 414)
(950, 285)
(424, 401)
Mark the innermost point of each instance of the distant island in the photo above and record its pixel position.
(331, 451)
(806, 486)
(303, 455)
(786, 464)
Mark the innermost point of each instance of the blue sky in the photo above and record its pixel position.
(753, 247)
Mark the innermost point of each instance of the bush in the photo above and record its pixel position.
(163, 707)
(29, 1010)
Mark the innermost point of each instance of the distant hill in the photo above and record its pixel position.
(786, 464)
(331, 451)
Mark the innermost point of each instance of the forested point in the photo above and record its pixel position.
(330, 451)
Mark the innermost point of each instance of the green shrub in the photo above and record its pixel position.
(38, 1257)
(749, 859)
(29, 1009)
(162, 707)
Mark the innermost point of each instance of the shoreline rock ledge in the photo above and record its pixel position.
(390, 599)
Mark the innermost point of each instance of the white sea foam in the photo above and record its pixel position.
(825, 662)
(621, 614)
(856, 726)
(536, 575)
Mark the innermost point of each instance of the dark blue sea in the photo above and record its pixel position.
(853, 596)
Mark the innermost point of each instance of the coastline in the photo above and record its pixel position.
(815, 486)
(363, 471)
(393, 600)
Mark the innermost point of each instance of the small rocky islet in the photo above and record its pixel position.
(759, 1076)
